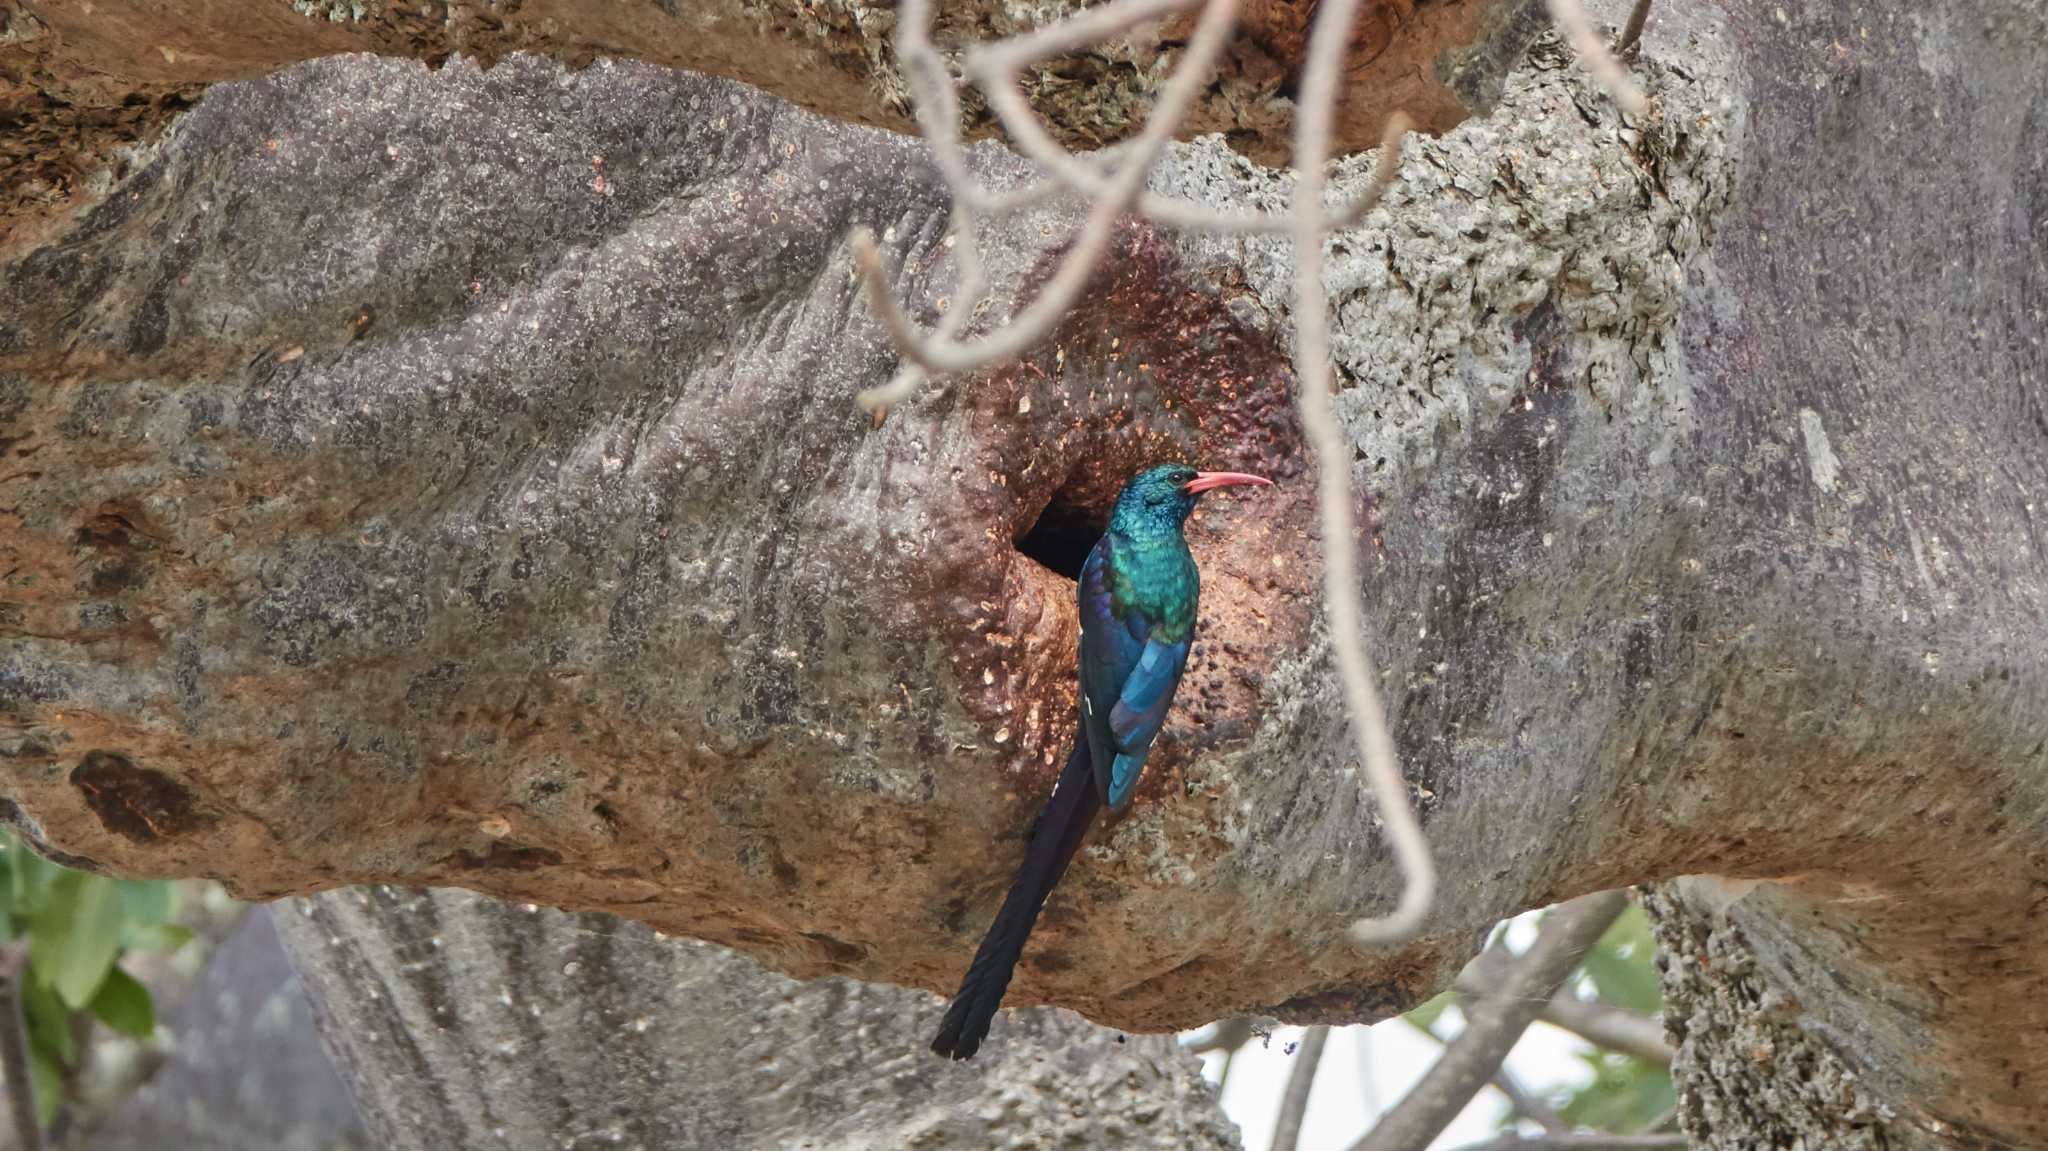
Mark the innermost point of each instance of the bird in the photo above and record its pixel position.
(1137, 597)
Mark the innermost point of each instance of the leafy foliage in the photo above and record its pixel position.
(1425, 1015)
(75, 935)
(1620, 965)
(78, 925)
(1627, 1093)
(123, 1004)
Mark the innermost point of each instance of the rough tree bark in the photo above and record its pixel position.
(451, 478)
(467, 1022)
(79, 83)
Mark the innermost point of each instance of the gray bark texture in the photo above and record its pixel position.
(451, 478)
(1757, 1072)
(467, 1022)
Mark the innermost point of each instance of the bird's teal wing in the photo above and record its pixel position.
(1109, 650)
(1140, 711)
(1128, 675)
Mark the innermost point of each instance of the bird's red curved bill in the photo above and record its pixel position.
(1210, 481)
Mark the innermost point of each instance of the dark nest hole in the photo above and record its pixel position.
(1061, 537)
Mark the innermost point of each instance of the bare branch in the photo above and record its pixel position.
(1519, 1098)
(1223, 1035)
(1494, 1023)
(1294, 1104)
(1632, 32)
(1528, 1105)
(1605, 1025)
(1578, 28)
(14, 1057)
(1602, 1024)
(1333, 479)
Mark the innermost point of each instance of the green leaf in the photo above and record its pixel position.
(1426, 1014)
(1621, 965)
(1626, 1094)
(32, 876)
(123, 1004)
(145, 902)
(6, 894)
(154, 936)
(49, 1022)
(73, 940)
(49, 1081)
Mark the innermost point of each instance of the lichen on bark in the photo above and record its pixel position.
(1752, 1076)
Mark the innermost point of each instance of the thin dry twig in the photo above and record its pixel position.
(1169, 211)
(1313, 381)
(938, 112)
(14, 1057)
(1294, 1104)
(1632, 32)
(995, 66)
(938, 121)
(995, 69)
(1494, 1023)
(1578, 28)
(1527, 1105)
(1605, 1025)
(1053, 302)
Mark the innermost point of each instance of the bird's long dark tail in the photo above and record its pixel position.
(1053, 843)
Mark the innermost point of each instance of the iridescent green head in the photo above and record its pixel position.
(1168, 492)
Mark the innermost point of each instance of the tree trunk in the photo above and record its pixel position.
(451, 478)
(1756, 1072)
(465, 1022)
